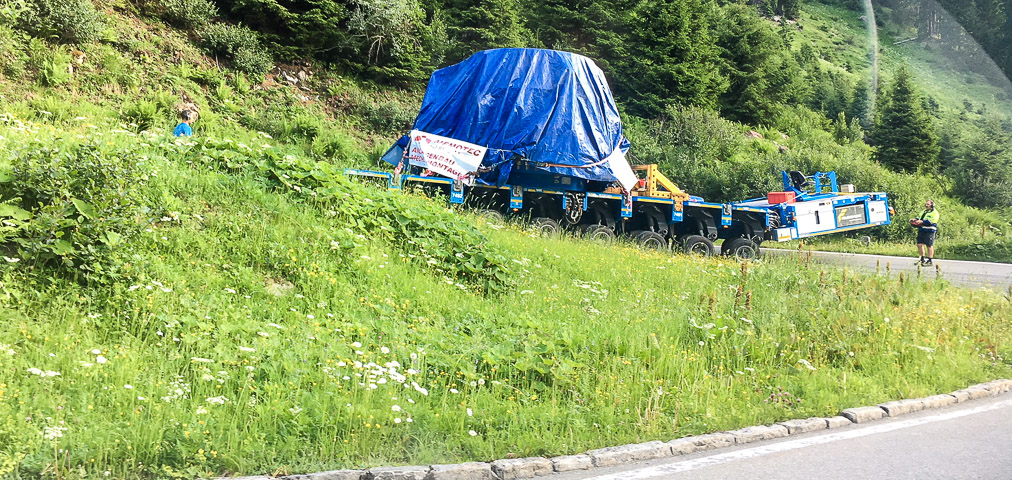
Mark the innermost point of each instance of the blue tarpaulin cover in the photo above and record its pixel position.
(545, 106)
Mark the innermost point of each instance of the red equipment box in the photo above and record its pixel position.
(780, 197)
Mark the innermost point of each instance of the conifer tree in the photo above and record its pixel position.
(904, 134)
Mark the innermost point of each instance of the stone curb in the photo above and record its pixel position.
(521, 468)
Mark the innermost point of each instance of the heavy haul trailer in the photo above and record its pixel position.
(537, 133)
(658, 214)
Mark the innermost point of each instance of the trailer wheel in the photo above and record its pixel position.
(698, 245)
(598, 233)
(546, 226)
(648, 239)
(742, 248)
(492, 215)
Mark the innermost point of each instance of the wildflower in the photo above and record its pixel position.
(6, 349)
(197, 360)
(409, 420)
(384, 350)
(247, 349)
(279, 327)
(229, 290)
(264, 334)
(219, 400)
(807, 364)
(454, 390)
(420, 389)
(295, 410)
(52, 433)
(701, 343)
(128, 386)
(201, 410)
(470, 412)
(96, 352)
(87, 364)
(397, 420)
(396, 408)
(472, 433)
(357, 344)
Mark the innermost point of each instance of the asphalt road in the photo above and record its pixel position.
(963, 441)
(958, 272)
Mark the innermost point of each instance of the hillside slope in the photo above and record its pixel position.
(231, 304)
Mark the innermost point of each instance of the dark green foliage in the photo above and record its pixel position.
(489, 24)
(904, 134)
(762, 73)
(238, 44)
(189, 13)
(982, 167)
(390, 40)
(68, 208)
(66, 21)
(665, 55)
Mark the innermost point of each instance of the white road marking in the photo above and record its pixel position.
(683, 466)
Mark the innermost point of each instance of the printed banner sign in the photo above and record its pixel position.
(445, 156)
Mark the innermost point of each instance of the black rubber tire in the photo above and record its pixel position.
(698, 245)
(651, 240)
(742, 248)
(492, 215)
(598, 233)
(546, 226)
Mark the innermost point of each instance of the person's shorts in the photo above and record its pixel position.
(926, 237)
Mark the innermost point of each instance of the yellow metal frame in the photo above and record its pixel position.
(657, 185)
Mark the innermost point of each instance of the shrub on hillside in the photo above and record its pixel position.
(67, 207)
(66, 21)
(189, 13)
(238, 44)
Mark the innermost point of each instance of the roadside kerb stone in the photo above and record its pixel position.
(709, 441)
(606, 457)
(462, 471)
(838, 421)
(938, 401)
(960, 396)
(998, 386)
(330, 475)
(805, 425)
(863, 414)
(901, 407)
(971, 393)
(568, 463)
(757, 433)
(515, 468)
(683, 446)
(397, 473)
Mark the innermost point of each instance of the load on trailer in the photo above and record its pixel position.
(536, 133)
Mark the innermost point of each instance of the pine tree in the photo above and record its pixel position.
(904, 134)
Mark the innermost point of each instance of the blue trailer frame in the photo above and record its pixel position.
(692, 225)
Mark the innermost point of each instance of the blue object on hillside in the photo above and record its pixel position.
(551, 108)
(182, 129)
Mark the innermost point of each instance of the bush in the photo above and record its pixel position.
(189, 13)
(55, 70)
(238, 44)
(66, 21)
(68, 206)
(142, 114)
